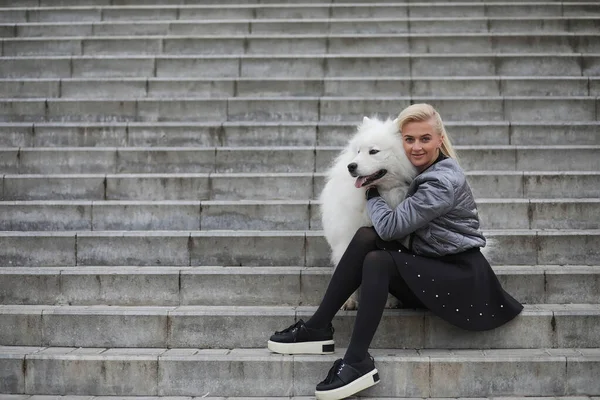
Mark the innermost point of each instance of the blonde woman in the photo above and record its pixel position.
(442, 269)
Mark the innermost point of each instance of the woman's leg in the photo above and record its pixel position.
(346, 278)
(379, 276)
(356, 371)
(316, 335)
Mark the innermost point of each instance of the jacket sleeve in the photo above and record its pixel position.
(433, 197)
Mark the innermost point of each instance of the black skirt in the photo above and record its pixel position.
(460, 288)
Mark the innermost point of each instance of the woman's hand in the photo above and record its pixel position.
(371, 192)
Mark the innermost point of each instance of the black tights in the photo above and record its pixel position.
(374, 270)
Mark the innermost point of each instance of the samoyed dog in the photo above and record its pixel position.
(374, 156)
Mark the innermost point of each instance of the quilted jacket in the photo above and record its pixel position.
(438, 213)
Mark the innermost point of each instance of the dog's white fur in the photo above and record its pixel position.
(377, 145)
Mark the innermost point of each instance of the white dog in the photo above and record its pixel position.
(374, 156)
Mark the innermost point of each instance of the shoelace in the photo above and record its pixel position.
(291, 327)
(336, 369)
(297, 326)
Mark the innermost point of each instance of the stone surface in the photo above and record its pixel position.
(166, 215)
(102, 327)
(546, 326)
(581, 370)
(95, 375)
(51, 249)
(157, 187)
(117, 248)
(231, 249)
(79, 135)
(215, 286)
(256, 286)
(12, 368)
(22, 285)
(275, 159)
(225, 374)
(55, 187)
(160, 165)
(494, 375)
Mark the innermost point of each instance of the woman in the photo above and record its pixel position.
(442, 269)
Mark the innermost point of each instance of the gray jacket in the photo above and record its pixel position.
(438, 210)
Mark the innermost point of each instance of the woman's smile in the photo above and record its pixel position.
(421, 143)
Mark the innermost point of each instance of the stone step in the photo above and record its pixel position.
(473, 54)
(297, 66)
(363, 9)
(251, 286)
(285, 133)
(274, 186)
(380, 25)
(264, 215)
(266, 248)
(438, 43)
(538, 326)
(470, 108)
(182, 160)
(216, 372)
(127, 88)
(79, 3)
(84, 397)
(230, 3)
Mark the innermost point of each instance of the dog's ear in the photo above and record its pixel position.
(395, 122)
(366, 119)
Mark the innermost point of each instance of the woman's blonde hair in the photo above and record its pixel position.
(425, 112)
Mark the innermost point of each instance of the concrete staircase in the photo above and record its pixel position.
(160, 165)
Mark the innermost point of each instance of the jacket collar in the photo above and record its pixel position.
(440, 157)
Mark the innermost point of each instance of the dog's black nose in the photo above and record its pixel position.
(352, 167)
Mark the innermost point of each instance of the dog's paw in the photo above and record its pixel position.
(392, 302)
(350, 304)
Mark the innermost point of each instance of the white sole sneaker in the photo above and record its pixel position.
(369, 379)
(321, 347)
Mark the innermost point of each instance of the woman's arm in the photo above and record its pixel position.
(432, 198)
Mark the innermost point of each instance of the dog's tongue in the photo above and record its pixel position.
(360, 181)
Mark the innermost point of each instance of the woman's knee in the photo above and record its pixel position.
(365, 236)
(378, 263)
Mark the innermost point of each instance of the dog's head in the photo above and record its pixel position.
(379, 157)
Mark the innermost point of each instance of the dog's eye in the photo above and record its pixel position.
(373, 151)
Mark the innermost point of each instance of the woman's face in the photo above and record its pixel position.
(421, 143)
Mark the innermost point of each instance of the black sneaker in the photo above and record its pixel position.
(344, 380)
(300, 339)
